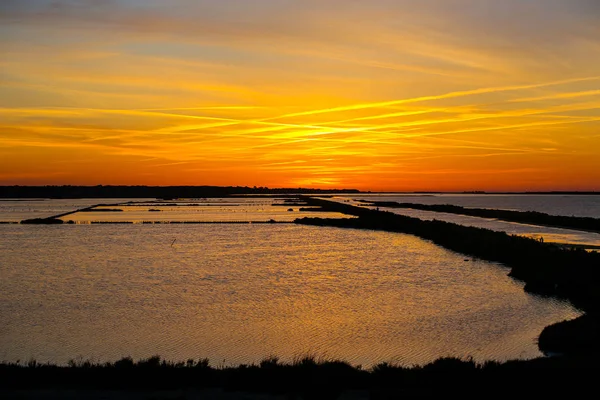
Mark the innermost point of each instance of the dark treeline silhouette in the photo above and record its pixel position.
(271, 221)
(101, 210)
(312, 209)
(578, 193)
(309, 378)
(525, 217)
(161, 192)
(155, 203)
(546, 269)
(42, 221)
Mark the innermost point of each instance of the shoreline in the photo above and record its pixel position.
(583, 224)
(305, 378)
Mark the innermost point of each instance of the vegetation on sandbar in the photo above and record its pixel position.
(524, 217)
(86, 210)
(310, 378)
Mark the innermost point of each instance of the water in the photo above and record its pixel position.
(239, 293)
(209, 211)
(14, 210)
(138, 210)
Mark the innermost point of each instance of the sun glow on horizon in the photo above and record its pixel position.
(288, 95)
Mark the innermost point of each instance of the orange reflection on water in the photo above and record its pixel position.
(237, 294)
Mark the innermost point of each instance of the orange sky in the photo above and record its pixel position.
(378, 95)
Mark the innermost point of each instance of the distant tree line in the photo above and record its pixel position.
(159, 192)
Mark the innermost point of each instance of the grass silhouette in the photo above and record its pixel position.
(309, 377)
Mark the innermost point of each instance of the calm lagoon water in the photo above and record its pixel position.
(239, 293)
(18, 210)
(139, 210)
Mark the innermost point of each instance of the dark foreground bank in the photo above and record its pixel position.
(304, 379)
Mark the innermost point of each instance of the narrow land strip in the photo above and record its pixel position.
(585, 224)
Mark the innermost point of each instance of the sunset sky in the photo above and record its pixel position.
(399, 95)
